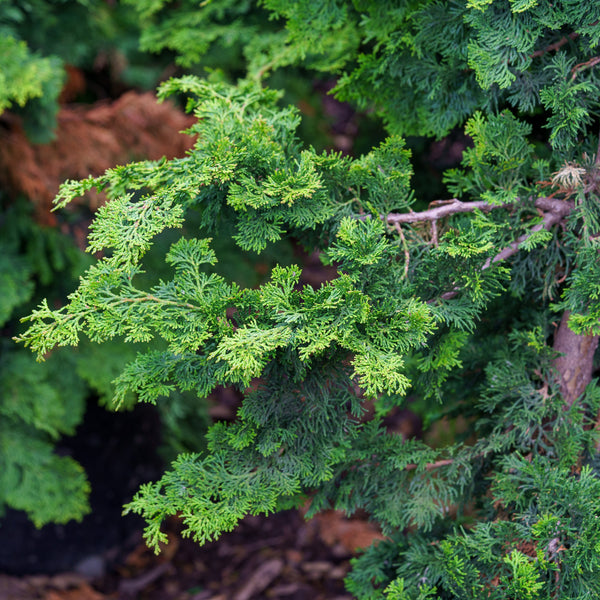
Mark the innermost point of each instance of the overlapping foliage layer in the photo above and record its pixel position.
(457, 306)
(42, 403)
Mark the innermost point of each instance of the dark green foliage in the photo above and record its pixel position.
(37, 407)
(457, 305)
(38, 403)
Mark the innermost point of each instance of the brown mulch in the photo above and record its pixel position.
(280, 557)
(89, 140)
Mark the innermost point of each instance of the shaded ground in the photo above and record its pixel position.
(104, 557)
(280, 557)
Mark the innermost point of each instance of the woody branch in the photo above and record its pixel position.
(446, 208)
(574, 365)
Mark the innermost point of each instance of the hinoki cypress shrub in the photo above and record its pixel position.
(484, 304)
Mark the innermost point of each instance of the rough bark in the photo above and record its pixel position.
(575, 364)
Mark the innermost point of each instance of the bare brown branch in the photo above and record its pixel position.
(405, 247)
(556, 45)
(434, 234)
(454, 206)
(430, 466)
(446, 208)
(555, 211)
(588, 64)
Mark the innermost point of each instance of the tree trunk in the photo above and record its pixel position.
(575, 364)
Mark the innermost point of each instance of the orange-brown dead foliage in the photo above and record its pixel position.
(89, 140)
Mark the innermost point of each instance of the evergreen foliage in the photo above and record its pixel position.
(42, 403)
(484, 305)
(38, 403)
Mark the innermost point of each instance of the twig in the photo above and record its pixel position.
(405, 247)
(130, 588)
(450, 207)
(430, 466)
(584, 65)
(554, 211)
(434, 234)
(556, 45)
(454, 206)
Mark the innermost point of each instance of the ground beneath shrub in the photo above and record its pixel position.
(277, 557)
(282, 556)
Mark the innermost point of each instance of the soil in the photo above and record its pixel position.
(281, 556)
